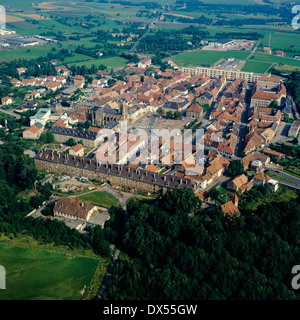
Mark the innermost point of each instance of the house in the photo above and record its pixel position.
(237, 182)
(152, 168)
(267, 50)
(145, 63)
(260, 179)
(274, 153)
(280, 53)
(194, 111)
(77, 150)
(21, 71)
(73, 209)
(63, 71)
(33, 95)
(231, 208)
(273, 185)
(6, 101)
(33, 132)
(294, 129)
(265, 160)
(205, 98)
(15, 82)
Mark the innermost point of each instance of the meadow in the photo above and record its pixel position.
(33, 274)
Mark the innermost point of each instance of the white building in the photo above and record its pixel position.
(42, 116)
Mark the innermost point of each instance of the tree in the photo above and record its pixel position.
(47, 137)
(2, 133)
(235, 168)
(177, 115)
(161, 111)
(286, 117)
(35, 202)
(214, 193)
(71, 142)
(169, 114)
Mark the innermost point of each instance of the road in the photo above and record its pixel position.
(295, 180)
(144, 35)
(11, 113)
(109, 274)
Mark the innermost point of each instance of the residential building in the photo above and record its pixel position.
(6, 101)
(77, 150)
(194, 111)
(231, 208)
(73, 209)
(33, 132)
(237, 182)
(42, 116)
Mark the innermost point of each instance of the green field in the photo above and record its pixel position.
(112, 62)
(99, 198)
(256, 66)
(42, 275)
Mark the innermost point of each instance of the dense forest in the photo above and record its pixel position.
(172, 249)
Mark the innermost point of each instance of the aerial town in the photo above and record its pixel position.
(235, 115)
(172, 179)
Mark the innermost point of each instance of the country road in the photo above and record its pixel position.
(144, 35)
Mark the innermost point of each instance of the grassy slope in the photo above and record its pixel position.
(37, 274)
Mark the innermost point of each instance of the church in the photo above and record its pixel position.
(106, 114)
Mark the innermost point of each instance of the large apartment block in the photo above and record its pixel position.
(216, 73)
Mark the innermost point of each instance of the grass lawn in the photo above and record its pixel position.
(99, 198)
(33, 274)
